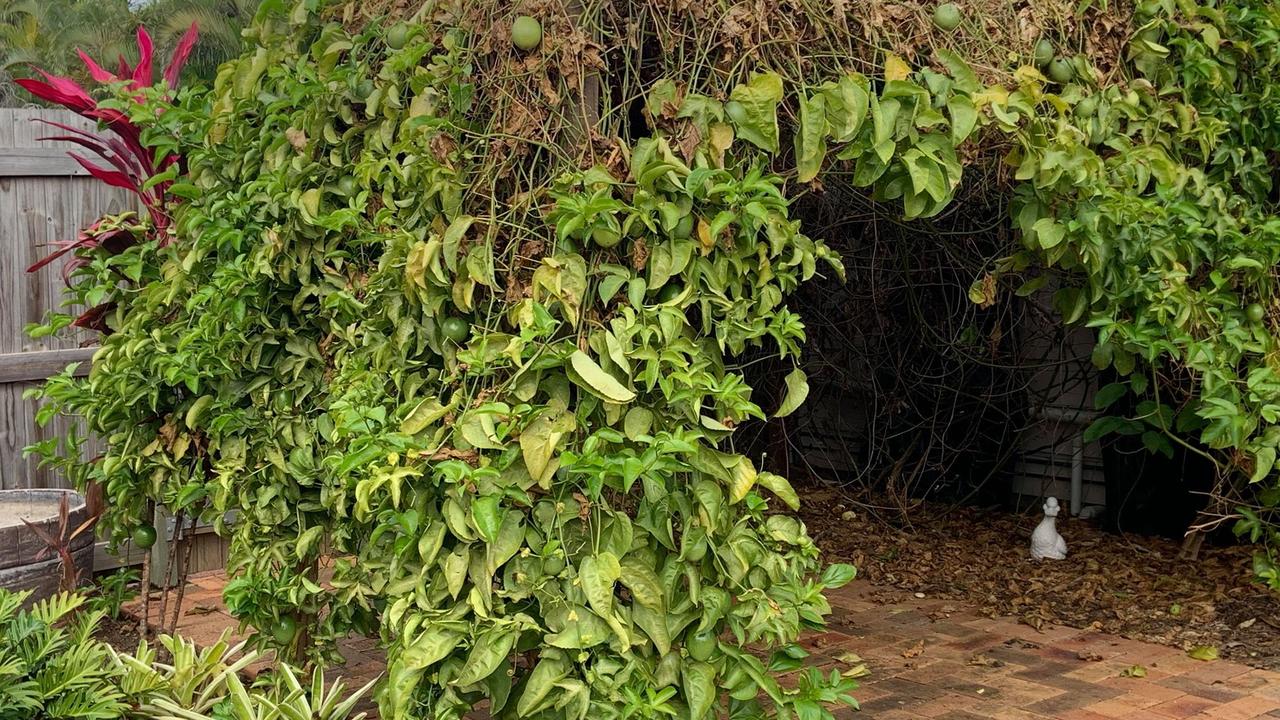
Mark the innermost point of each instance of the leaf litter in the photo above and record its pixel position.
(1127, 585)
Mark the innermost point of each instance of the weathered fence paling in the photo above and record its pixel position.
(45, 197)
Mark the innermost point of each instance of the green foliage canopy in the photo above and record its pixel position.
(512, 421)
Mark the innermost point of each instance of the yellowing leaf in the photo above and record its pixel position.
(425, 413)
(309, 203)
(753, 109)
(706, 243)
(719, 138)
(638, 422)
(599, 382)
(992, 95)
(895, 68)
(1203, 652)
(781, 487)
(742, 479)
(538, 443)
(797, 390)
(811, 138)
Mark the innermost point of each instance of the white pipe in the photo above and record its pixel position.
(1077, 473)
(1076, 417)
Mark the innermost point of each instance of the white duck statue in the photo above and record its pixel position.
(1046, 543)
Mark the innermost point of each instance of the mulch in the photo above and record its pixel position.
(1127, 585)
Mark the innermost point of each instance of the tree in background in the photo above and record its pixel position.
(47, 34)
(220, 23)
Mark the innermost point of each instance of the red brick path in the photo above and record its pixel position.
(935, 659)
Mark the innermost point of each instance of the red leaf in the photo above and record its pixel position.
(95, 70)
(123, 64)
(114, 178)
(142, 72)
(59, 90)
(53, 256)
(101, 145)
(107, 155)
(180, 54)
(69, 268)
(95, 318)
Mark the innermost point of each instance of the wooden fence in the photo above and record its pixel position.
(45, 197)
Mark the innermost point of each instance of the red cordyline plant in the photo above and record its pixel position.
(125, 161)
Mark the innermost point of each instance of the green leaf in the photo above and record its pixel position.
(811, 138)
(509, 541)
(581, 629)
(845, 103)
(797, 391)
(1108, 395)
(429, 648)
(196, 412)
(599, 382)
(1263, 460)
(424, 413)
(753, 110)
(779, 486)
(488, 515)
(654, 624)
(699, 689)
(598, 573)
(1048, 232)
(453, 240)
(455, 570)
(643, 583)
(964, 117)
(542, 681)
(490, 649)
(838, 575)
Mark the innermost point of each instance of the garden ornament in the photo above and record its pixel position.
(1046, 543)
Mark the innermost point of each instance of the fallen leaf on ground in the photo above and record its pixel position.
(1134, 671)
(1020, 643)
(914, 650)
(981, 660)
(1203, 652)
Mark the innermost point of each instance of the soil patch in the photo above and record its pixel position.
(1127, 585)
(120, 633)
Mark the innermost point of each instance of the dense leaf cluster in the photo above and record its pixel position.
(511, 421)
(515, 441)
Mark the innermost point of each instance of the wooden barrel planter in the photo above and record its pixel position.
(26, 561)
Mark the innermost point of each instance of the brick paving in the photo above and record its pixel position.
(936, 659)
